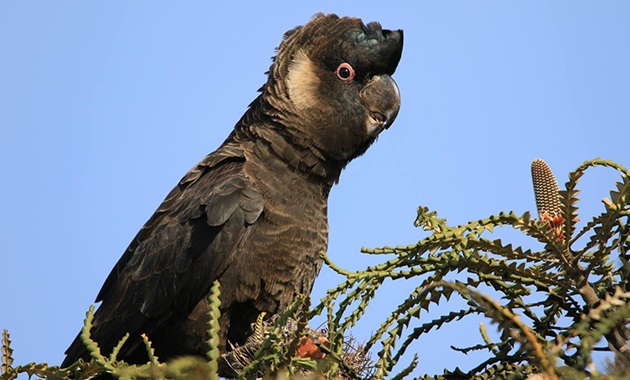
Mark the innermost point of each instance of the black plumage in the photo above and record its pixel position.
(253, 214)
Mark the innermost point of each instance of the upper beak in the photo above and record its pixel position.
(382, 99)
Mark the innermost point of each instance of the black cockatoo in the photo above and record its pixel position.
(253, 214)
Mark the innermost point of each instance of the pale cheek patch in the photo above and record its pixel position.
(302, 82)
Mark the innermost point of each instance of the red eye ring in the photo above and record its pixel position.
(345, 72)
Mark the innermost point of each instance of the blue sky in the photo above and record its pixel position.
(104, 106)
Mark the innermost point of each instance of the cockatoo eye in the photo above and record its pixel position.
(345, 72)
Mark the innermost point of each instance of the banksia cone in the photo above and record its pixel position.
(547, 195)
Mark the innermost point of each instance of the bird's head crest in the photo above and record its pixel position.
(328, 35)
(330, 85)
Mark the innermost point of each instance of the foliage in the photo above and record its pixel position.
(583, 284)
(181, 368)
(553, 304)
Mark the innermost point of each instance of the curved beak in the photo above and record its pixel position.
(382, 99)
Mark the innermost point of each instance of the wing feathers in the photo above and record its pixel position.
(170, 265)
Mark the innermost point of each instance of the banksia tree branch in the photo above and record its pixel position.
(549, 205)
